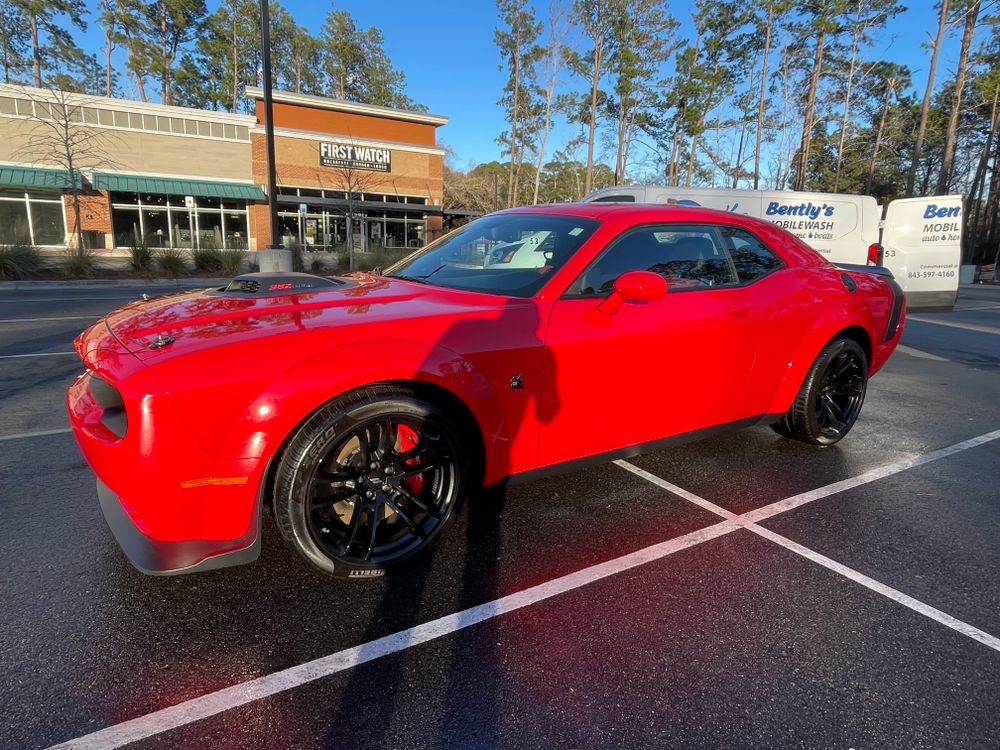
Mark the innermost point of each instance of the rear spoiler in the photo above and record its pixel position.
(877, 270)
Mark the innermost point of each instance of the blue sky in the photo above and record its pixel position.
(446, 50)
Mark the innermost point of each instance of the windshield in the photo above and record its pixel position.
(509, 254)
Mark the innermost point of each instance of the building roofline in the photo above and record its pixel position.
(341, 105)
(129, 105)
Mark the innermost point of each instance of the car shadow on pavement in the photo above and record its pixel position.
(462, 708)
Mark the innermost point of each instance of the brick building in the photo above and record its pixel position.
(179, 177)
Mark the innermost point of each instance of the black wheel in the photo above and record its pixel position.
(830, 399)
(369, 481)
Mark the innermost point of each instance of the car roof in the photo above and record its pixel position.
(627, 214)
(632, 212)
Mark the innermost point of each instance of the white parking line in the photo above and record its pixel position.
(917, 353)
(39, 320)
(41, 433)
(243, 693)
(40, 354)
(880, 588)
(748, 522)
(953, 324)
(277, 682)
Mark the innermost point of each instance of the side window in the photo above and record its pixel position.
(689, 256)
(751, 257)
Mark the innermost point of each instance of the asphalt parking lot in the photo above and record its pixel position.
(743, 591)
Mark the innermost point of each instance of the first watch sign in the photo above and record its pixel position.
(352, 156)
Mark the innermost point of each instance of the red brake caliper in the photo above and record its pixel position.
(407, 441)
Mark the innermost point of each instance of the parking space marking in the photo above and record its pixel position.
(39, 320)
(880, 588)
(918, 353)
(953, 324)
(41, 433)
(749, 521)
(211, 704)
(755, 516)
(674, 489)
(39, 354)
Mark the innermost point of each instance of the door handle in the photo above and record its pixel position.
(739, 310)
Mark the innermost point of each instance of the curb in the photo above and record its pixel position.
(184, 283)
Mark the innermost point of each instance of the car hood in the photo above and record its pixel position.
(193, 320)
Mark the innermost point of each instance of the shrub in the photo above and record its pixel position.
(207, 259)
(232, 261)
(171, 261)
(19, 261)
(140, 255)
(79, 266)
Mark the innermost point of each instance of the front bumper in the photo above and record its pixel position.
(156, 557)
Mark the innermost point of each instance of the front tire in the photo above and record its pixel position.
(370, 481)
(830, 398)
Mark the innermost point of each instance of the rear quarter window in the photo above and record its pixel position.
(751, 258)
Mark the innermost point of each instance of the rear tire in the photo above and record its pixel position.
(369, 482)
(830, 398)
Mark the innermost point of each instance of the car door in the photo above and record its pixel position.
(652, 370)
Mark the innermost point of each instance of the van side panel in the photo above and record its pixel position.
(922, 246)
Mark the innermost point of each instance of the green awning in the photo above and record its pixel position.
(130, 183)
(35, 177)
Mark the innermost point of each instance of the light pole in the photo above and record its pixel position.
(272, 189)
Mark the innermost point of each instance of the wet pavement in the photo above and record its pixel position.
(720, 637)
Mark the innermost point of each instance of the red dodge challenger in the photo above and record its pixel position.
(362, 409)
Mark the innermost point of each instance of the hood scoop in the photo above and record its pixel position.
(272, 284)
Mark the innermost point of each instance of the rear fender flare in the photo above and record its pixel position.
(831, 323)
(290, 398)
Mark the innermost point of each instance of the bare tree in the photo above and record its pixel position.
(761, 101)
(890, 88)
(868, 14)
(944, 176)
(552, 62)
(60, 136)
(926, 105)
(596, 19)
(355, 182)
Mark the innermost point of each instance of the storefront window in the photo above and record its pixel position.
(47, 223)
(209, 228)
(125, 222)
(236, 230)
(31, 218)
(165, 221)
(156, 226)
(14, 222)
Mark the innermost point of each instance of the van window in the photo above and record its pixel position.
(751, 257)
(687, 255)
(615, 199)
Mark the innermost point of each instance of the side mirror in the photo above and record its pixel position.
(634, 286)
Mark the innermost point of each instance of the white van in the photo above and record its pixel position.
(919, 239)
